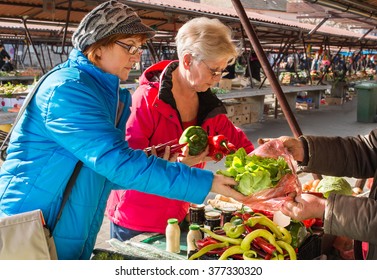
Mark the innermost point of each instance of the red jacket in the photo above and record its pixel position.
(154, 119)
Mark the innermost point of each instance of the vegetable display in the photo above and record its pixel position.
(248, 237)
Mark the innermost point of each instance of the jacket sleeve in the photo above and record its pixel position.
(343, 217)
(86, 129)
(140, 125)
(222, 125)
(337, 156)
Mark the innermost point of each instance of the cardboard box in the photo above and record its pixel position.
(334, 100)
(238, 109)
(229, 110)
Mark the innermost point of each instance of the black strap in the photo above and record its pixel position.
(67, 192)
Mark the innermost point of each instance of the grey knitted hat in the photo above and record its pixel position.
(112, 17)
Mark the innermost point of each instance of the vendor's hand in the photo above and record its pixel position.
(293, 145)
(305, 206)
(224, 185)
(185, 158)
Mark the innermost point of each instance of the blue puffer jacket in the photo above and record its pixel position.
(71, 118)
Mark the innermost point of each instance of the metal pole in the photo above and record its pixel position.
(267, 68)
(31, 42)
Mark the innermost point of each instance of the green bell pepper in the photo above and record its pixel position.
(196, 138)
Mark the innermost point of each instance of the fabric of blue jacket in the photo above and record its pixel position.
(72, 117)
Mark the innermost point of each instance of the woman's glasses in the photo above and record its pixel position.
(131, 49)
(215, 73)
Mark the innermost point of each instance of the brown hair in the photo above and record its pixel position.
(89, 52)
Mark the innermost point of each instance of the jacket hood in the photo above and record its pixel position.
(153, 73)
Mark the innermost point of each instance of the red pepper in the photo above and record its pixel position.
(264, 245)
(221, 143)
(231, 148)
(215, 151)
(309, 222)
(205, 241)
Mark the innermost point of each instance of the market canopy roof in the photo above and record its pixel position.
(52, 21)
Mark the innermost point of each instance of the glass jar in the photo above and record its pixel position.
(173, 236)
(197, 215)
(213, 220)
(226, 214)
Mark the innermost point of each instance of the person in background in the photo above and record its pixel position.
(172, 96)
(290, 66)
(349, 216)
(79, 113)
(4, 58)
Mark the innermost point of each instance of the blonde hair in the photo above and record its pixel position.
(206, 38)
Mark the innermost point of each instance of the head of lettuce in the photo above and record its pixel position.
(331, 184)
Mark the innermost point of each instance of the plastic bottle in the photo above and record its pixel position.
(193, 235)
(173, 236)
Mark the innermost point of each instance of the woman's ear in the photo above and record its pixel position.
(187, 60)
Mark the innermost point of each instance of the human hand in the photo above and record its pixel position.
(305, 206)
(224, 185)
(293, 145)
(189, 160)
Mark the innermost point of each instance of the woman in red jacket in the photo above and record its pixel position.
(172, 96)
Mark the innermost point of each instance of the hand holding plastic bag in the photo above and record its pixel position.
(267, 175)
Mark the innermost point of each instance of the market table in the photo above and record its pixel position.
(256, 97)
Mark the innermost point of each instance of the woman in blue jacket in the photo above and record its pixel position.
(78, 113)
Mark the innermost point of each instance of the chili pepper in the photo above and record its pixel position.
(279, 257)
(173, 149)
(246, 242)
(197, 139)
(291, 252)
(287, 237)
(261, 254)
(218, 251)
(233, 231)
(265, 246)
(208, 248)
(263, 220)
(235, 241)
(205, 241)
(214, 152)
(248, 229)
(231, 251)
(268, 257)
(250, 255)
(160, 147)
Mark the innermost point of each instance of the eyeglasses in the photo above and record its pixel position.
(131, 49)
(215, 73)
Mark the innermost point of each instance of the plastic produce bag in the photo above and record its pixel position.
(266, 175)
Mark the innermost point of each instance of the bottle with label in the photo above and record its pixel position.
(193, 235)
(173, 236)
